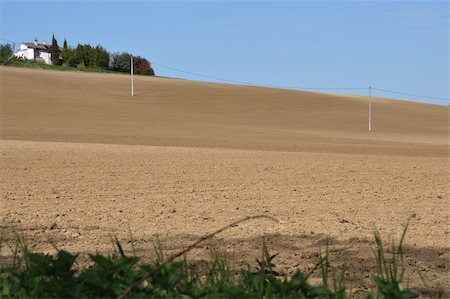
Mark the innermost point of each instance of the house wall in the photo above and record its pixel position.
(28, 53)
(31, 54)
(46, 57)
(23, 47)
(25, 54)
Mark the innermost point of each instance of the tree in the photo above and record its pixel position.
(76, 57)
(101, 57)
(143, 67)
(54, 51)
(67, 52)
(121, 62)
(6, 51)
(88, 58)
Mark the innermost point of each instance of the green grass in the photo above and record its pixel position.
(391, 273)
(38, 275)
(41, 65)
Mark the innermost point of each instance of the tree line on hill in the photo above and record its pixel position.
(87, 56)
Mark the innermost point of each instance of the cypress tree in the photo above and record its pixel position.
(66, 52)
(54, 51)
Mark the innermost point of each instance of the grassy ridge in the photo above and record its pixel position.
(37, 275)
(41, 65)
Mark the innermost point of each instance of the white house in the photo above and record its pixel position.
(35, 51)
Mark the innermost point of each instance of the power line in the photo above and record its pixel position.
(199, 75)
(256, 84)
(13, 43)
(297, 87)
(410, 94)
(285, 87)
(8, 40)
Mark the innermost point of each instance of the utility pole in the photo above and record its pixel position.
(132, 79)
(370, 108)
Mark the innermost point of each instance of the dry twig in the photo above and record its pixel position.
(187, 249)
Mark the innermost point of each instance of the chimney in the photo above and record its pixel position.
(35, 41)
(44, 43)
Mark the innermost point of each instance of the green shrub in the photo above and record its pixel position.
(41, 275)
(6, 52)
(38, 275)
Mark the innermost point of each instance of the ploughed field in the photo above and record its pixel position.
(81, 160)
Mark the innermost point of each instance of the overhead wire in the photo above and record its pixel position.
(300, 87)
(256, 84)
(284, 87)
(410, 94)
(9, 41)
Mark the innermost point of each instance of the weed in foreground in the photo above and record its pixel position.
(34, 275)
(390, 272)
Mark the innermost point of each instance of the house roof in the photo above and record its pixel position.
(38, 46)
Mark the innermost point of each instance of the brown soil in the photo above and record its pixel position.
(81, 160)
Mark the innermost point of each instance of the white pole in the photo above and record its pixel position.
(132, 81)
(370, 108)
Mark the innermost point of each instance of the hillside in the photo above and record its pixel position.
(77, 107)
(82, 160)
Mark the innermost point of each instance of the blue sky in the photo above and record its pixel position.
(401, 46)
